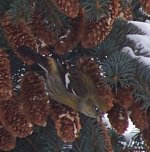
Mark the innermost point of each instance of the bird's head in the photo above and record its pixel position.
(92, 106)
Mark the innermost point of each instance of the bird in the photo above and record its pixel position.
(88, 103)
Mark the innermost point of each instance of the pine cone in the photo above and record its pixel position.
(124, 97)
(138, 116)
(145, 5)
(118, 118)
(5, 77)
(125, 12)
(92, 69)
(68, 7)
(67, 128)
(147, 115)
(146, 138)
(18, 35)
(73, 36)
(35, 99)
(106, 137)
(66, 121)
(7, 141)
(96, 32)
(57, 109)
(14, 120)
(43, 36)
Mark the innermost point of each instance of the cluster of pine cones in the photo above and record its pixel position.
(19, 113)
(32, 106)
(35, 34)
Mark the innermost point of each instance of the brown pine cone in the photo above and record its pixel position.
(147, 115)
(37, 112)
(73, 36)
(43, 36)
(145, 5)
(33, 85)
(66, 120)
(18, 35)
(138, 116)
(106, 137)
(94, 71)
(7, 141)
(57, 109)
(67, 127)
(68, 7)
(146, 138)
(35, 98)
(96, 32)
(125, 12)
(118, 118)
(124, 97)
(5, 77)
(14, 120)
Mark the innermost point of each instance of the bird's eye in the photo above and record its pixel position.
(96, 109)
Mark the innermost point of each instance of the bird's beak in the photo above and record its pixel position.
(98, 118)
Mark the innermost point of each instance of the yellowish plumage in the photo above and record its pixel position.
(89, 104)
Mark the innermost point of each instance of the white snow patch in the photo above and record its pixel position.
(129, 51)
(142, 42)
(145, 27)
(131, 130)
(43, 44)
(121, 116)
(106, 121)
(18, 87)
(65, 36)
(129, 133)
(147, 21)
(145, 60)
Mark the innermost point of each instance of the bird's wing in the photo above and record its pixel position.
(56, 87)
(81, 84)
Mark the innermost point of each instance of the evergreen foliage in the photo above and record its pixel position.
(120, 69)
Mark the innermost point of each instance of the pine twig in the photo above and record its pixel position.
(33, 146)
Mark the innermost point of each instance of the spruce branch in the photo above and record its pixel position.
(117, 39)
(119, 69)
(95, 9)
(3, 41)
(91, 137)
(116, 140)
(21, 9)
(58, 22)
(139, 14)
(136, 143)
(4, 7)
(35, 148)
